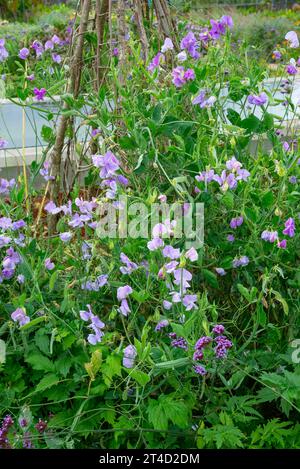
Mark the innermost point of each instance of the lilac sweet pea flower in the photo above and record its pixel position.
(3, 51)
(19, 316)
(6, 186)
(95, 324)
(182, 56)
(108, 163)
(3, 143)
(203, 101)
(168, 45)
(189, 302)
(227, 21)
(189, 42)
(66, 236)
(38, 47)
(129, 266)
(270, 236)
(235, 222)
(292, 38)
(291, 68)
(170, 252)
(181, 76)
(192, 254)
(240, 262)
(167, 305)
(129, 355)
(123, 292)
(277, 55)
(159, 58)
(30, 77)
(49, 45)
(289, 228)
(155, 244)
(258, 100)
(24, 53)
(163, 323)
(220, 271)
(56, 58)
(44, 172)
(182, 278)
(48, 264)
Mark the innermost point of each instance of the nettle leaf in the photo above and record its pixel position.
(40, 362)
(157, 416)
(177, 412)
(47, 382)
(111, 367)
(63, 365)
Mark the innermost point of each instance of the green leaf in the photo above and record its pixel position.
(2, 351)
(211, 278)
(140, 377)
(244, 292)
(33, 323)
(53, 279)
(281, 300)
(47, 382)
(267, 199)
(156, 415)
(40, 362)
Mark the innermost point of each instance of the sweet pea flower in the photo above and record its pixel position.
(235, 222)
(56, 58)
(49, 45)
(48, 264)
(108, 163)
(258, 100)
(189, 302)
(182, 56)
(276, 55)
(155, 244)
(220, 271)
(159, 58)
(3, 51)
(292, 38)
(270, 236)
(129, 355)
(170, 252)
(3, 143)
(19, 316)
(192, 254)
(240, 262)
(66, 236)
(123, 292)
(289, 228)
(167, 305)
(291, 67)
(189, 43)
(167, 45)
(163, 323)
(24, 53)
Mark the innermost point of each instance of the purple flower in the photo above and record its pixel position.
(167, 45)
(282, 244)
(49, 45)
(41, 426)
(24, 53)
(21, 278)
(191, 254)
(161, 325)
(182, 278)
(189, 302)
(233, 164)
(292, 38)
(38, 47)
(200, 370)
(170, 252)
(218, 329)
(178, 342)
(30, 77)
(129, 355)
(39, 93)
(276, 55)
(19, 316)
(181, 57)
(95, 324)
(258, 100)
(198, 355)
(235, 222)
(189, 42)
(292, 180)
(291, 69)
(48, 264)
(3, 143)
(95, 132)
(66, 236)
(223, 344)
(56, 58)
(156, 62)
(180, 76)
(203, 101)
(129, 266)
(220, 271)
(240, 262)
(3, 51)
(124, 308)
(108, 163)
(230, 238)
(226, 181)
(270, 236)
(289, 228)
(6, 186)
(167, 305)
(202, 342)
(123, 292)
(227, 20)
(170, 266)
(155, 244)
(44, 172)
(55, 39)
